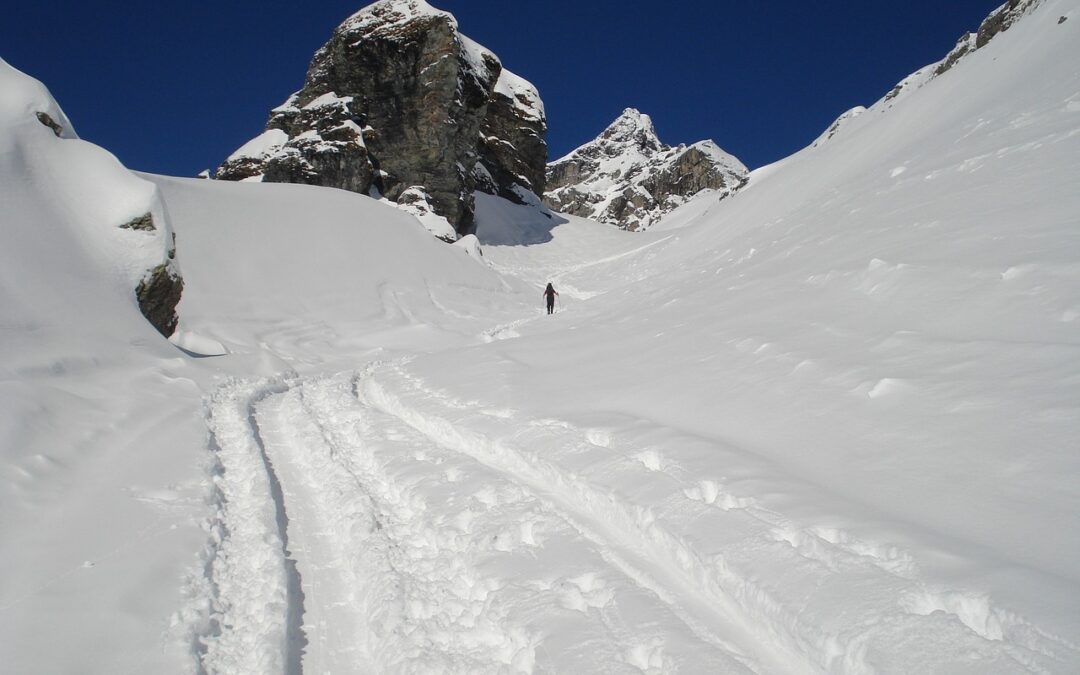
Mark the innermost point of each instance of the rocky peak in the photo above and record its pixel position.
(397, 100)
(627, 177)
(393, 18)
(632, 128)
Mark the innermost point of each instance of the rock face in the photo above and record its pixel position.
(399, 99)
(627, 177)
(158, 295)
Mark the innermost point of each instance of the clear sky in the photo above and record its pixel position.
(174, 87)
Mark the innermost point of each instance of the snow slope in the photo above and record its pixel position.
(825, 425)
(94, 486)
(108, 489)
(868, 356)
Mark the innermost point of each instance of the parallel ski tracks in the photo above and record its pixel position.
(324, 516)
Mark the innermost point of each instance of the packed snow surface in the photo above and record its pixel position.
(826, 425)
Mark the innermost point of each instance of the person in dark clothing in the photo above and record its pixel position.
(550, 294)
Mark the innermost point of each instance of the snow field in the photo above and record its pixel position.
(760, 574)
(826, 425)
(416, 558)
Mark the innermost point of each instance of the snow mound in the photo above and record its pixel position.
(70, 205)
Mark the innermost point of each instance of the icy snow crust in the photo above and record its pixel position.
(826, 425)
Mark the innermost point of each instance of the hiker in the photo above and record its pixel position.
(550, 294)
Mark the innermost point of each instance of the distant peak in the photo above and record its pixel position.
(632, 126)
(393, 13)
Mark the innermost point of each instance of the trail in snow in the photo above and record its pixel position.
(437, 535)
(417, 558)
(763, 576)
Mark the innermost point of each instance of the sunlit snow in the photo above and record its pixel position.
(828, 424)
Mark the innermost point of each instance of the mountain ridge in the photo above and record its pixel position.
(627, 177)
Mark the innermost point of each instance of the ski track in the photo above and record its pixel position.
(250, 603)
(367, 522)
(773, 614)
(391, 585)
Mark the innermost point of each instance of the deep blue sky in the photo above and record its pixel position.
(174, 87)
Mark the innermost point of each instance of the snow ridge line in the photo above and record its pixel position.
(250, 613)
(786, 643)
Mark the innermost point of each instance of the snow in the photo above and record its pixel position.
(524, 95)
(326, 100)
(387, 15)
(415, 201)
(477, 57)
(266, 143)
(838, 124)
(719, 156)
(96, 476)
(825, 425)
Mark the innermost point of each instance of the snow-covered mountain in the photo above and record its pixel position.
(826, 425)
(399, 102)
(627, 177)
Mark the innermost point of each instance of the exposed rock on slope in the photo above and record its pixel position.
(627, 177)
(399, 99)
(999, 21)
(838, 124)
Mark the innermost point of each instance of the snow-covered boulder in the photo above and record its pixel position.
(627, 177)
(398, 98)
(69, 205)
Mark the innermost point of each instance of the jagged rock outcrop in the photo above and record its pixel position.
(627, 177)
(398, 99)
(158, 295)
